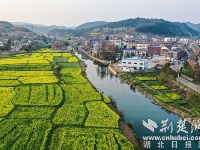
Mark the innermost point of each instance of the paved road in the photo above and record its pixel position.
(189, 84)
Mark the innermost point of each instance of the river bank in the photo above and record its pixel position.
(104, 62)
(124, 128)
(113, 68)
(134, 105)
(166, 106)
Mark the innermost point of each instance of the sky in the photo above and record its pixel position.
(76, 12)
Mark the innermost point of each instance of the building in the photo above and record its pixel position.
(16, 48)
(130, 45)
(142, 45)
(94, 41)
(154, 50)
(168, 39)
(135, 52)
(142, 52)
(117, 43)
(131, 52)
(131, 64)
(184, 40)
(1, 44)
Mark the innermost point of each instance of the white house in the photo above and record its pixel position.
(169, 39)
(142, 45)
(1, 44)
(135, 52)
(131, 64)
(16, 48)
(142, 52)
(117, 43)
(130, 51)
(184, 40)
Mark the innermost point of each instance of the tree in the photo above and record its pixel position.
(107, 38)
(66, 43)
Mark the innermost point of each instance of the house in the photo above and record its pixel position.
(117, 43)
(16, 48)
(130, 52)
(142, 45)
(168, 39)
(142, 52)
(154, 50)
(164, 49)
(58, 46)
(135, 52)
(94, 41)
(131, 64)
(130, 45)
(1, 44)
(184, 40)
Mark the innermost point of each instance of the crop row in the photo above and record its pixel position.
(24, 134)
(79, 139)
(74, 109)
(146, 78)
(25, 67)
(32, 112)
(100, 115)
(9, 83)
(6, 94)
(26, 73)
(40, 79)
(73, 59)
(72, 75)
(50, 94)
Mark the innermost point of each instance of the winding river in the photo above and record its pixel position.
(137, 108)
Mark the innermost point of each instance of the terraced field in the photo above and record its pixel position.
(43, 107)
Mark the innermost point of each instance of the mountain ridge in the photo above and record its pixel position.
(88, 25)
(152, 26)
(38, 28)
(10, 29)
(193, 26)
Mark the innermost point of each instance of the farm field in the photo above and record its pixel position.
(46, 103)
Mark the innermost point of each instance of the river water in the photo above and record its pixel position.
(137, 108)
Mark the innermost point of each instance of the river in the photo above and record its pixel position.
(137, 108)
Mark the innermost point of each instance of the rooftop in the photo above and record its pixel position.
(135, 58)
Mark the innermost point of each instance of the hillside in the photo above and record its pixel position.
(133, 23)
(39, 29)
(168, 29)
(13, 31)
(91, 25)
(152, 26)
(193, 26)
(155, 26)
(6, 27)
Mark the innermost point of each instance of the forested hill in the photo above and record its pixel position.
(6, 27)
(168, 29)
(152, 26)
(91, 25)
(155, 26)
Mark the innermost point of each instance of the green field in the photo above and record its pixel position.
(46, 103)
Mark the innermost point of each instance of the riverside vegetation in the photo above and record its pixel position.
(162, 86)
(47, 104)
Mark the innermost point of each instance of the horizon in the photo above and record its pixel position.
(39, 24)
(76, 12)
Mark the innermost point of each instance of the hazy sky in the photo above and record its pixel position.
(76, 12)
